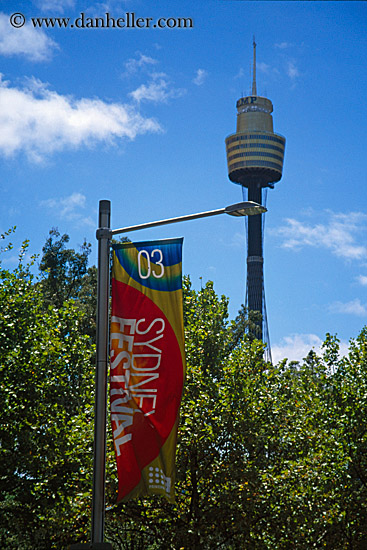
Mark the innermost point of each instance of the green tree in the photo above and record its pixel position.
(350, 408)
(66, 276)
(311, 493)
(46, 380)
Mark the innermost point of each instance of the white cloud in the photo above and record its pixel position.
(66, 206)
(154, 91)
(240, 73)
(295, 347)
(354, 307)
(38, 121)
(264, 67)
(157, 91)
(69, 208)
(159, 88)
(337, 235)
(201, 76)
(156, 76)
(26, 41)
(239, 240)
(54, 5)
(282, 45)
(112, 6)
(133, 64)
(292, 70)
(362, 279)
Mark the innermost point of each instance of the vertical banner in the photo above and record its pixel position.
(147, 365)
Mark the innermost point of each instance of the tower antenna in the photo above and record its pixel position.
(254, 91)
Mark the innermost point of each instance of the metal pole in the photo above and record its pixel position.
(247, 208)
(169, 220)
(104, 235)
(100, 411)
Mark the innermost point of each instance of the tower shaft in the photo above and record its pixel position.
(255, 260)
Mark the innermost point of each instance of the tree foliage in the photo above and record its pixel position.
(269, 456)
(45, 418)
(66, 276)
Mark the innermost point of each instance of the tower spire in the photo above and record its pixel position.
(254, 90)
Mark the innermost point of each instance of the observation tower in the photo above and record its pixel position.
(255, 157)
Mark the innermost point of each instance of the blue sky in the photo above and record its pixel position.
(139, 116)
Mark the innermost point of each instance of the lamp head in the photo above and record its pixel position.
(247, 208)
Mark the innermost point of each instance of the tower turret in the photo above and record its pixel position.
(255, 156)
(255, 153)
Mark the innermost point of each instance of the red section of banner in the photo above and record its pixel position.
(146, 382)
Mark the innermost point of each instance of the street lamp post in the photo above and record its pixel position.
(104, 235)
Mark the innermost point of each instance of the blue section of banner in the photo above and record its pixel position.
(162, 258)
